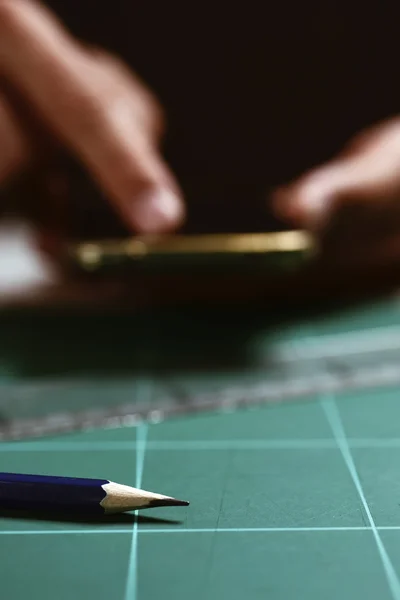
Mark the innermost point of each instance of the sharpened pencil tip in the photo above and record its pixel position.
(167, 502)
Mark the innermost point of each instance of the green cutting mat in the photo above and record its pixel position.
(298, 500)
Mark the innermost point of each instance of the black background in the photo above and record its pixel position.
(255, 92)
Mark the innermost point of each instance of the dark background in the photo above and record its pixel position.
(255, 93)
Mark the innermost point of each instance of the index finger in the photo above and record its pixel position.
(95, 115)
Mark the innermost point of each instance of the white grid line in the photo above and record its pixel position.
(131, 582)
(332, 414)
(165, 530)
(173, 445)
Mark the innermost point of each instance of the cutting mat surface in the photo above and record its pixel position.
(297, 500)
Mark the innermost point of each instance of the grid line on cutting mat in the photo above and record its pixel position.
(334, 419)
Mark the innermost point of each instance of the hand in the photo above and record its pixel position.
(352, 202)
(91, 103)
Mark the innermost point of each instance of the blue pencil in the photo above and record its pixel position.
(77, 495)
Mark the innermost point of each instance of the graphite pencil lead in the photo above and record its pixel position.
(167, 502)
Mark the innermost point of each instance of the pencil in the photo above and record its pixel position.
(75, 495)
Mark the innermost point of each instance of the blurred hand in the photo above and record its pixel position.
(91, 103)
(352, 202)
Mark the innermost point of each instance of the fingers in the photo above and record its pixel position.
(353, 202)
(147, 110)
(15, 147)
(365, 176)
(102, 113)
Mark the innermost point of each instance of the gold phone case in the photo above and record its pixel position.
(216, 251)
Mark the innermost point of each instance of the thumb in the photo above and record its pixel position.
(310, 200)
(364, 177)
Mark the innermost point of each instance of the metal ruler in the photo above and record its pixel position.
(297, 370)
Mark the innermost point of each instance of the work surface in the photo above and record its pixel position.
(292, 500)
